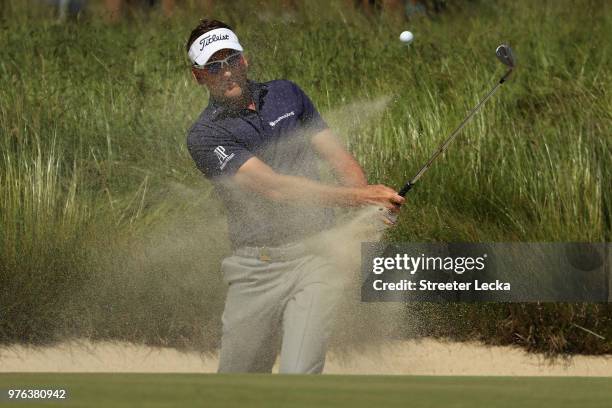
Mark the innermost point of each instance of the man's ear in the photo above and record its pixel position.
(245, 61)
(198, 75)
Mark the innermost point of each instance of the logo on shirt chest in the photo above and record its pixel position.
(285, 116)
(222, 156)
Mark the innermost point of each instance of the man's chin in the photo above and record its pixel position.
(233, 93)
(234, 96)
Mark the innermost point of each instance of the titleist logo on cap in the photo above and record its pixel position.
(212, 38)
(210, 42)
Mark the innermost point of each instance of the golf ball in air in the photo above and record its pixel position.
(406, 37)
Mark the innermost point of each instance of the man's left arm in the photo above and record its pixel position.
(346, 168)
(326, 144)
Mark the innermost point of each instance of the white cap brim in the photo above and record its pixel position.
(208, 43)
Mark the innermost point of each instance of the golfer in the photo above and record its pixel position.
(260, 145)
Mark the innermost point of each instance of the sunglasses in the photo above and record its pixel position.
(213, 68)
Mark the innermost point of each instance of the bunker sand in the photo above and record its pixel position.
(408, 357)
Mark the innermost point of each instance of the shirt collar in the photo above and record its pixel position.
(219, 110)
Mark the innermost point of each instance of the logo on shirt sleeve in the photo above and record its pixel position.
(222, 156)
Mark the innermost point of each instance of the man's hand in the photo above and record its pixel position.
(380, 195)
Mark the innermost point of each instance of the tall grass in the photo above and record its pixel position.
(43, 221)
(107, 229)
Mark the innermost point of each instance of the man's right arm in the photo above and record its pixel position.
(260, 178)
(219, 156)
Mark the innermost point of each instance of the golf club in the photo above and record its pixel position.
(505, 55)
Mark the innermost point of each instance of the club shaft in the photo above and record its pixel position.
(453, 135)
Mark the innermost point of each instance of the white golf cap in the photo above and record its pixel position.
(208, 43)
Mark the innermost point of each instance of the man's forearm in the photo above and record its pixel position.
(350, 173)
(257, 176)
(346, 168)
(305, 192)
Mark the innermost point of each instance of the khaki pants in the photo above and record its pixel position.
(284, 297)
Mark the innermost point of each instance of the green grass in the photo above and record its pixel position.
(187, 390)
(108, 231)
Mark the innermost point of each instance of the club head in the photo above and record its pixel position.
(505, 55)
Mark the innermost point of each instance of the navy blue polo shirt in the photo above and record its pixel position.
(278, 133)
